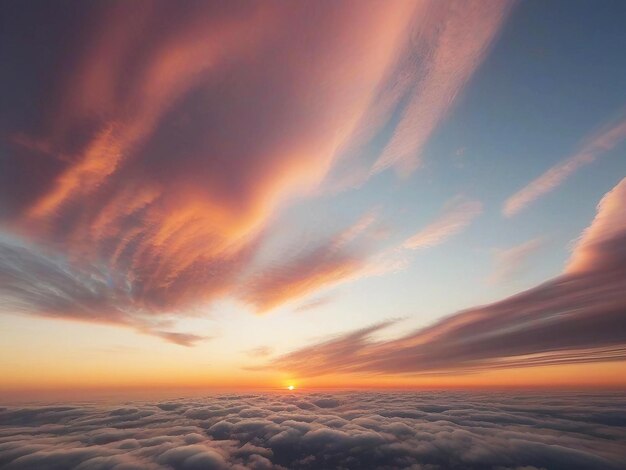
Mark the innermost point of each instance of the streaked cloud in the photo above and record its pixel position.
(574, 318)
(314, 303)
(511, 261)
(260, 352)
(182, 339)
(450, 46)
(456, 216)
(590, 150)
(340, 258)
(172, 135)
(346, 257)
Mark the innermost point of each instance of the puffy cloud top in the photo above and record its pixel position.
(425, 430)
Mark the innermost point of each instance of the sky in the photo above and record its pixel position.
(237, 195)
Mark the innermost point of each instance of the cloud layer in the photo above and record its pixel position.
(574, 318)
(426, 430)
(168, 136)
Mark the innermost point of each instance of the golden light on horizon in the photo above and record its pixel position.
(291, 388)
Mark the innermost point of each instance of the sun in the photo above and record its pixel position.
(291, 387)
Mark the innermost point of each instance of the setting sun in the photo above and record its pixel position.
(291, 387)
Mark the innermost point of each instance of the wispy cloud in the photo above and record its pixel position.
(457, 215)
(314, 303)
(260, 352)
(341, 258)
(456, 35)
(182, 339)
(35, 282)
(174, 134)
(511, 261)
(555, 176)
(574, 318)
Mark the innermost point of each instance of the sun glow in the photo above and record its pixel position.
(291, 387)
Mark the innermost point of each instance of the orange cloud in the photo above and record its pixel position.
(339, 259)
(304, 275)
(171, 135)
(192, 139)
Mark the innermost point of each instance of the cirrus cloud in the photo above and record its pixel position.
(555, 176)
(170, 135)
(574, 318)
(457, 215)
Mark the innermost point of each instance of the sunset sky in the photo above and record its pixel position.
(392, 194)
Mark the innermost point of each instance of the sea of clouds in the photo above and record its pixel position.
(349, 430)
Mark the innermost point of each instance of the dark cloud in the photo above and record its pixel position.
(425, 430)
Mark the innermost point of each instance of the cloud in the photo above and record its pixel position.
(34, 282)
(182, 339)
(574, 318)
(457, 35)
(260, 352)
(426, 430)
(511, 261)
(165, 139)
(457, 215)
(338, 259)
(166, 168)
(305, 274)
(600, 246)
(314, 303)
(555, 176)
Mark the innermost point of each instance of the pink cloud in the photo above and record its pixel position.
(169, 136)
(457, 215)
(314, 303)
(599, 245)
(339, 259)
(178, 131)
(456, 35)
(510, 261)
(555, 176)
